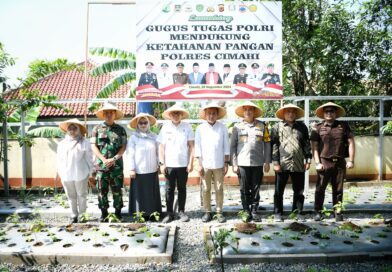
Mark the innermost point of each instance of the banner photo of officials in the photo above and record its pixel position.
(191, 50)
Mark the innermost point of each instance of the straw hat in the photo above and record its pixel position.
(221, 111)
(280, 112)
(239, 110)
(109, 106)
(339, 110)
(175, 107)
(135, 120)
(64, 125)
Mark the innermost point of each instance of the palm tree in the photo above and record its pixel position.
(122, 63)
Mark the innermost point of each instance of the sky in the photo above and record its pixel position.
(51, 29)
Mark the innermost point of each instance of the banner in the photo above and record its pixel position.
(191, 50)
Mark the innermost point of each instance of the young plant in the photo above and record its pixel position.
(339, 207)
(112, 218)
(84, 217)
(138, 216)
(220, 243)
(326, 212)
(155, 216)
(13, 218)
(48, 191)
(244, 215)
(37, 226)
(294, 215)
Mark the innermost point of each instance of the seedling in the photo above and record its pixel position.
(339, 207)
(326, 212)
(294, 215)
(84, 217)
(138, 216)
(13, 218)
(112, 218)
(155, 216)
(244, 215)
(220, 242)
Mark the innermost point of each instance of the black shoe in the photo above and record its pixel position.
(168, 218)
(73, 220)
(206, 217)
(104, 215)
(260, 208)
(318, 217)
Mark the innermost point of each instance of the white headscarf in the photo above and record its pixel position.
(69, 141)
(145, 132)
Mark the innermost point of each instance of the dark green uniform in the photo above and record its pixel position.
(109, 140)
(238, 78)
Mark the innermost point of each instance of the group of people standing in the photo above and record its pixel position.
(250, 150)
(164, 78)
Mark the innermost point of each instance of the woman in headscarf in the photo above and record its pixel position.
(75, 165)
(142, 151)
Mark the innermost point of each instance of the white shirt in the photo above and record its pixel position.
(175, 139)
(74, 162)
(142, 154)
(164, 80)
(212, 144)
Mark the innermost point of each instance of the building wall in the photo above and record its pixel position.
(41, 163)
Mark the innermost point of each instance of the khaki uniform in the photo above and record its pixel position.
(250, 148)
(332, 143)
(180, 78)
(109, 140)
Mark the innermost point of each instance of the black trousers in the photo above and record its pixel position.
(250, 179)
(176, 176)
(334, 172)
(298, 182)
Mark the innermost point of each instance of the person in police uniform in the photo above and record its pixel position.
(164, 78)
(148, 77)
(331, 141)
(250, 150)
(180, 77)
(108, 142)
(241, 77)
(270, 77)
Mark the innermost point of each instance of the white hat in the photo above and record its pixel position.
(64, 125)
(339, 110)
(280, 112)
(135, 120)
(107, 107)
(175, 107)
(221, 110)
(239, 110)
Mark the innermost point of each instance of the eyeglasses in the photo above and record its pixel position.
(143, 123)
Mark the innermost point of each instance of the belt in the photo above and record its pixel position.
(335, 159)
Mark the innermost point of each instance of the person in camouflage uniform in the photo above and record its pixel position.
(108, 141)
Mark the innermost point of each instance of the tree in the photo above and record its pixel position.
(123, 63)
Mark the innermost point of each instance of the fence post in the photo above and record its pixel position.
(5, 157)
(22, 133)
(306, 120)
(381, 142)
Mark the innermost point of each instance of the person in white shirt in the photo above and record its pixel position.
(142, 151)
(75, 165)
(212, 150)
(164, 78)
(228, 76)
(176, 144)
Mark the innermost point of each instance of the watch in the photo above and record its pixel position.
(161, 163)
